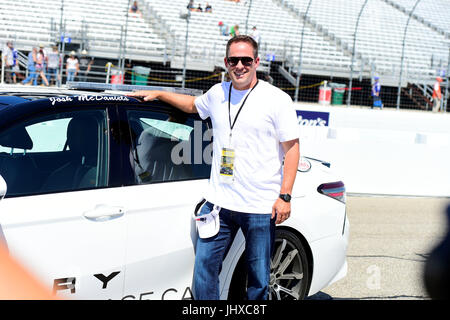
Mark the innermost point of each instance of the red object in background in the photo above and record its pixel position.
(324, 95)
(117, 79)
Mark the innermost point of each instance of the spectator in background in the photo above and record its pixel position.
(255, 35)
(199, 8)
(16, 68)
(8, 61)
(54, 63)
(40, 65)
(72, 67)
(234, 30)
(32, 75)
(190, 5)
(437, 95)
(85, 65)
(44, 52)
(135, 8)
(376, 88)
(208, 8)
(223, 29)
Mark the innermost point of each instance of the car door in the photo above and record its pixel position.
(169, 164)
(59, 217)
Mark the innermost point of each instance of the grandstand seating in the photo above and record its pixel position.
(33, 22)
(327, 43)
(380, 34)
(280, 31)
(328, 38)
(432, 11)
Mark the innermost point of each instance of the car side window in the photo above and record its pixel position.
(54, 153)
(167, 147)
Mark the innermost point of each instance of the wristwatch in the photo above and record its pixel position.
(285, 196)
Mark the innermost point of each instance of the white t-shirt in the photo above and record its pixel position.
(267, 118)
(53, 60)
(72, 64)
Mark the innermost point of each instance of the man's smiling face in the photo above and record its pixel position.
(242, 74)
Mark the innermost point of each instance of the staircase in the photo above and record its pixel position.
(420, 97)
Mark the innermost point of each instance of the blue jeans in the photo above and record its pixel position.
(52, 73)
(259, 233)
(31, 75)
(70, 75)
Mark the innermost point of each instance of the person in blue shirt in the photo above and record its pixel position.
(32, 75)
(15, 68)
(223, 27)
(376, 88)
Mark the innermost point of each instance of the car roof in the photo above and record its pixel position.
(19, 99)
(15, 94)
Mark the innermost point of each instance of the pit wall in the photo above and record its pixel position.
(381, 152)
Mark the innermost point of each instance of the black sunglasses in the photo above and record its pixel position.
(246, 61)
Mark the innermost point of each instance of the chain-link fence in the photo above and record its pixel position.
(337, 52)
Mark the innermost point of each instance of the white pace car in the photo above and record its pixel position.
(97, 192)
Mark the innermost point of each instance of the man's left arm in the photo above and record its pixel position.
(292, 155)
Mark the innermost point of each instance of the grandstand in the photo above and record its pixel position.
(280, 39)
(380, 35)
(97, 26)
(109, 31)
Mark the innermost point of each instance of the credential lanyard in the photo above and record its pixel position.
(240, 108)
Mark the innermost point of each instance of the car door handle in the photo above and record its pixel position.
(103, 212)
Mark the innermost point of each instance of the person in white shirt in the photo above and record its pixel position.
(53, 64)
(8, 61)
(255, 127)
(71, 67)
(255, 35)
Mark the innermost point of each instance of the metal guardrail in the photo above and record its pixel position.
(110, 74)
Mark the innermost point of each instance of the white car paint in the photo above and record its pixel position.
(160, 238)
(51, 236)
(151, 244)
(137, 242)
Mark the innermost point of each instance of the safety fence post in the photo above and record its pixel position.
(403, 54)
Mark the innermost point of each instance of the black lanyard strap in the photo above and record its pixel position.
(240, 108)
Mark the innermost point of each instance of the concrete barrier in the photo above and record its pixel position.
(380, 151)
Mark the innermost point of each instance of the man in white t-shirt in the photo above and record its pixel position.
(255, 127)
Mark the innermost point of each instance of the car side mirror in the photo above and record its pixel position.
(3, 187)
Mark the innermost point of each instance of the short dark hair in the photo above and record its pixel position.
(243, 38)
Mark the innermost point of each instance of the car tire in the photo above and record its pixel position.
(289, 276)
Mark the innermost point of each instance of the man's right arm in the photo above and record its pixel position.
(180, 101)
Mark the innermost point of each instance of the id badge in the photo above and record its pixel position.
(227, 165)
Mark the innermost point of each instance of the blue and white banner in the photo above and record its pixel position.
(313, 118)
